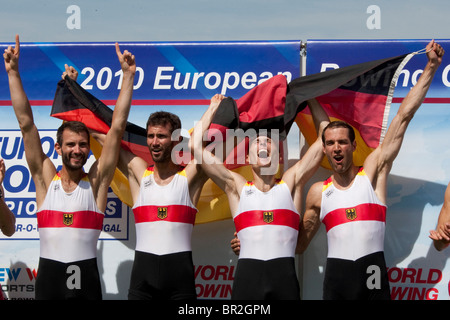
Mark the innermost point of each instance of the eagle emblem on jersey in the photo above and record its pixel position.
(68, 219)
(268, 216)
(350, 213)
(162, 213)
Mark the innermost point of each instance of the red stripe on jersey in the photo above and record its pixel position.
(77, 219)
(172, 213)
(283, 217)
(363, 212)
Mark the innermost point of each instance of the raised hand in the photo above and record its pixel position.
(435, 52)
(71, 72)
(11, 56)
(126, 59)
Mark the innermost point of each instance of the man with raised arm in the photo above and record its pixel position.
(165, 196)
(266, 210)
(71, 203)
(441, 236)
(352, 202)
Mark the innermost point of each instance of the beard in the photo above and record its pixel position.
(163, 156)
(66, 160)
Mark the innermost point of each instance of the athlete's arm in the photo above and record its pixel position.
(441, 236)
(196, 179)
(305, 168)
(131, 166)
(311, 219)
(41, 167)
(103, 171)
(235, 244)
(214, 168)
(379, 163)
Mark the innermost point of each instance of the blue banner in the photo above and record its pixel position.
(170, 71)
(323, 55)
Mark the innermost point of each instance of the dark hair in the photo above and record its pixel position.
(74, 126)
(340, 124)
(163, 118)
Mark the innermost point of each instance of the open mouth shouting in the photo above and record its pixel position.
(156, 152)
(263, 156)
(338, 159)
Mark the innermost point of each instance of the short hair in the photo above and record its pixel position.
(340, 124)
(74, 126)
(163, 118)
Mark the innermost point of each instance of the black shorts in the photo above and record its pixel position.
(166, 277)
(64, 281)
(354, 280)
(274, 279)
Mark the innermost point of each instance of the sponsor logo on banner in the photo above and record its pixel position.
(18, 282)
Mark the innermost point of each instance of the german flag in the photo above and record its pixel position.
(262, 109)
(360, 95)
(73, 103)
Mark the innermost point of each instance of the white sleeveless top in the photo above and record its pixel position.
(164, 215)
(354, 218)
(267, 222)
(69, 223)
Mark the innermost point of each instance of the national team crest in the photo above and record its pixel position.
(350, 213)
(268, 216)
(162, 212)
(68, 219)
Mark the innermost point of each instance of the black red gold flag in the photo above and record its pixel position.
(360, 94)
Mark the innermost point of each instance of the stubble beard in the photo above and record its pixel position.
(66, 161)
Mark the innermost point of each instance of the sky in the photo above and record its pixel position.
(212, 20)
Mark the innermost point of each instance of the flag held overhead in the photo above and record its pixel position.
(360, 95)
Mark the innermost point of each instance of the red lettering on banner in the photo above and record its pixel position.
(213, 290)
(211, 275)
(411, 275)
(398, 293)
(209, 272)
(414, 276)
(438, 273)
(221, 272)
(413, 293)
(31, 273)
